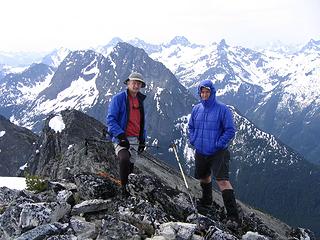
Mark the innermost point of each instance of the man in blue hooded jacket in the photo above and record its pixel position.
(126, 125)
(211, 128)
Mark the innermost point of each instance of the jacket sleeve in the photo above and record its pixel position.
(191, 128)
(113, 118)
(228, 131)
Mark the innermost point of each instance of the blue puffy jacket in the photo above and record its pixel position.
(118, 112)
(211, 124)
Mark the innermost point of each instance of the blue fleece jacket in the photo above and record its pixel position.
(118, 112)
(211, 124)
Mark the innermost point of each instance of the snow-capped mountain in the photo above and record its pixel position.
(86, 80)
(311, 46)
(5, 70)
(18, 90)
(148, 47)
(107, 49)
(279, 92)
(55, 58)
(279, 47)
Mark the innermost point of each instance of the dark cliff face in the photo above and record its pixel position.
(83, 197)
(77, 148)
(16, 146)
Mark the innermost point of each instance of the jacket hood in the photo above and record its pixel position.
(212, 98)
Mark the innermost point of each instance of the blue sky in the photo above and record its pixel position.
(42, 25)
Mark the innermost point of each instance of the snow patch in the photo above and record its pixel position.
(56, 123)
(2, 133)
(253, 236)
(24, 166)
(17, 183)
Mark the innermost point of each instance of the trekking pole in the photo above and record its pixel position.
(109, 141)
(87, 140)
(173, 145)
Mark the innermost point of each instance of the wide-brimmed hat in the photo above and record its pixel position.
(136, 77)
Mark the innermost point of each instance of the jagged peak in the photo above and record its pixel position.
(83, 53)
(114, 41)
(60, 50)
(311, 45)
(124, 46)
(222, 44)
(314, 42)
(179, 40)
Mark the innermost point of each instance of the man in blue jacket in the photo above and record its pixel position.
(126, 125)
(211, 128)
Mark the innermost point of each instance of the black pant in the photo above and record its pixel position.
(216, 165)
(126, 167)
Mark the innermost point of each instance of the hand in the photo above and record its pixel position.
(142, 147)
(123, 141)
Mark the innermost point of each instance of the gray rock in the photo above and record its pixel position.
(63, 237)
(177, 230)
(82, 228)
(112, 228)
(216, 233)
(66, 196)
(173, 202)
(91, 186)
(9, 221)
(43, 231)
(35, 214)
(7, 195)
(62, 185)
(88, 206)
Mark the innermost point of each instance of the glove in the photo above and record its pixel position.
(123, 141)
(141, 147)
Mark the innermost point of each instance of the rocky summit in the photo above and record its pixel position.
(82, 197)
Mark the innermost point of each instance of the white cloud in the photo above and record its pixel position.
(47, 24)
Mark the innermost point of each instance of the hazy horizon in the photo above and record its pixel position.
(41, 26)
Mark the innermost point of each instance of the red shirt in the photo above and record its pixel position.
(133, 127)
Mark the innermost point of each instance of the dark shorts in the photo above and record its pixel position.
(216, 165)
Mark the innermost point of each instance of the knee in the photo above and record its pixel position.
(224, 184)
(206, 179)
